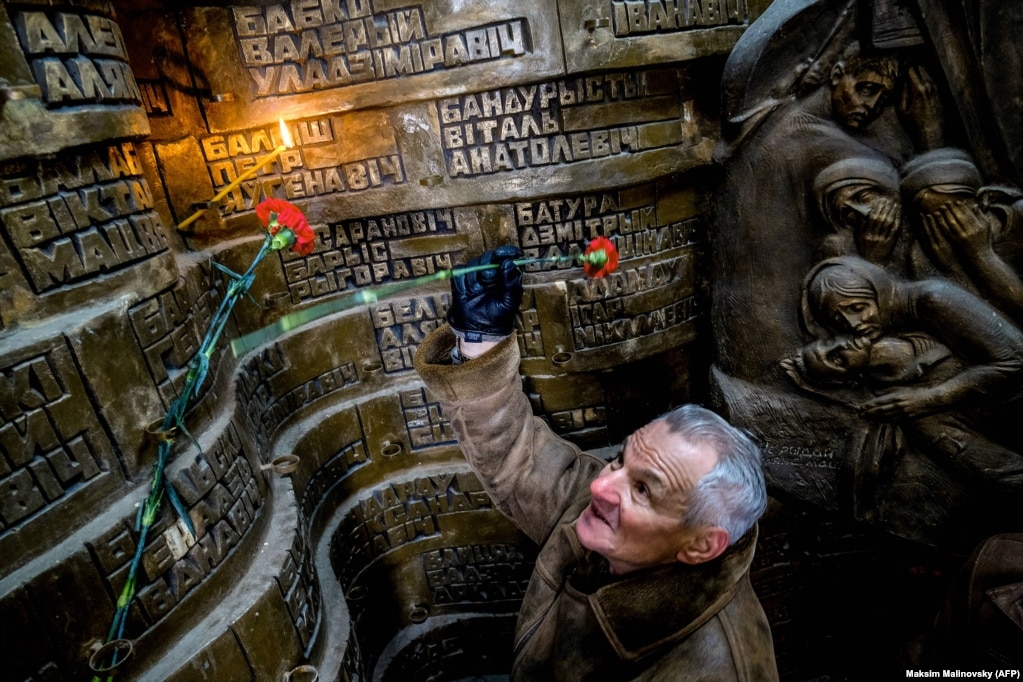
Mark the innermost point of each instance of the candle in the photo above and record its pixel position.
(260, 163)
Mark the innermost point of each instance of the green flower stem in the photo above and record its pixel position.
(236, 291)
(173, 419)
(253, 340)
(199, 367)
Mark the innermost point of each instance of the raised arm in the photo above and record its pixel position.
(531, 474)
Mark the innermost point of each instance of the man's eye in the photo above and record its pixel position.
(619, 460)
(641, 488)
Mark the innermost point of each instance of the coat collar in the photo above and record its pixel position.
(646, 609)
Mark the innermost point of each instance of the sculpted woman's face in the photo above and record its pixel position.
(853, 203)
(937, 197)
(854, 315)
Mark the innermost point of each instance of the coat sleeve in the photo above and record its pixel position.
(532, 475)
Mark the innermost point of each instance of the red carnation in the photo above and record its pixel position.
(277, 215)
(600, 257)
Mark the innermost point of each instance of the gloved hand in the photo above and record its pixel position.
(484, 303)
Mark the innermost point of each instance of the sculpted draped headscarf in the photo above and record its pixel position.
(857, 170)
(850, 276)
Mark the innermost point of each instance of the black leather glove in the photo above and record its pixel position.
(484, 303)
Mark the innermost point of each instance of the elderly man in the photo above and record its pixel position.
(644, 568)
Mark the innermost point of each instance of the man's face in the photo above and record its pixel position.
(836, 358)
(639, 499)
(857, 99)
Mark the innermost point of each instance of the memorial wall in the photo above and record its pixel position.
(318, 517)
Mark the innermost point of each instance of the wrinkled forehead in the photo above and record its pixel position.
(677, 459)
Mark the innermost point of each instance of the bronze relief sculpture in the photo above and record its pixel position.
(867, 290)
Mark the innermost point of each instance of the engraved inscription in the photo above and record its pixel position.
(278, 409)
(800, 455)
(476, 573)
(268, 404)
(154, 98)
(399, 513)
(351, 457)
(601, 316)
(76, 58)
(640, 17)
(51, 445)
(352, 667)
(169, 328)
(596, 331)
(80, 216)
(301, 589)
(368, 251)
(551, 123)
(308, 45)
(558, 227)
(402, 325)
(311, 168)
(426, 425)
(527, 325)
(223, 499)
(579, 418)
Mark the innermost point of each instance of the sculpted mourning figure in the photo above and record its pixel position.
(836, 167)
(929, 376)
(850, 296)
(967, 231)
(894, 339)
(859, 200)
(770, 232)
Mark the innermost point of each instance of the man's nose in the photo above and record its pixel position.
(604, 487)
(872, 101)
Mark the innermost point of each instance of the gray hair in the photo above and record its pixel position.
(732, 495)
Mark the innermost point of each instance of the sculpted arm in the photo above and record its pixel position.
(991, 346)
(969, 227)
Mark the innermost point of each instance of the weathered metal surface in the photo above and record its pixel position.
(423, 134)
(376, 54)
(612, 34)
(70, 84)
(850, 235)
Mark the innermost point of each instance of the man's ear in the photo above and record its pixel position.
(709, 544)
(837, 71)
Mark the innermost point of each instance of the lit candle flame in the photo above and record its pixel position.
(286, 135)
(263, 162)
